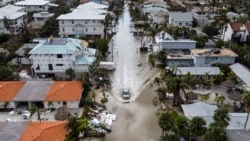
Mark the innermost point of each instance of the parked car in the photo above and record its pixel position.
(125, 93)
(25, 114)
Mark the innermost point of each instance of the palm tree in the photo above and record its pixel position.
(75, 127)
(166, 123)
(246, 99)
(197, 126)
(34, 109)
(221, 116)
(154, 30)
(70, 73)
(215, 132)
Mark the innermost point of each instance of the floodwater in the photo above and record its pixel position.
(127, 57)
(136, 120)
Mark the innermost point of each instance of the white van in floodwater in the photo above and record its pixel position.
(107, 65)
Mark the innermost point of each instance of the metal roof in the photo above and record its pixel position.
(181, 16)
(32, 2)
(21, 50)
(242, 72)
(57, 46)
(33, 91)
(198, 70)
(11, 12)
(84, 60)
(12, 131)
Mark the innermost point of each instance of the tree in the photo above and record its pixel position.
(50, 27)
(104, 100)
(181, 126)
(34, 109)
(217, 129)
(5, 73)
(219, 43)
(166, 123)
(70, 74)
(210, 30)
(102, 46)
(75, 127)
(162, 56)
(246, 99)
(154, 30)
(197, 126)
(6, 23)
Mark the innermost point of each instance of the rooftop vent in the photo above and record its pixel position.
(50, 39)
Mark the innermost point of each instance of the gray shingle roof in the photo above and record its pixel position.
(181, 16)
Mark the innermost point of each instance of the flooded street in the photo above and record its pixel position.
(136, 120)
(127, 56)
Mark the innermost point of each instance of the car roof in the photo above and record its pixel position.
(125, 89)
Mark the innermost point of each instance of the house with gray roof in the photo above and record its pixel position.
(85, 20)
(56, 55)
(199, 72)
(15, 16)
(242, 72)
(181, 19)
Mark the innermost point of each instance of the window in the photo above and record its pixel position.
(180, 24)
(64, 103)
(63, 29)
(73, 29)
(186, 24)
(94, 28)
(62, 22)
(38, 67)
(50, 66)
(59, 64)
(58, 102)
(59, 55)
(86, 29)
(72, 21)
(93, 21)
(86, 22)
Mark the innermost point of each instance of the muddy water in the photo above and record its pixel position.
(136, 121)
(127, 57)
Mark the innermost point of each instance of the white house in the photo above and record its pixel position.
(199, 72)
(181, 19)
(166, 41)
(62, 93)
(157, 10)
(235, 32)
(34, 5)
(56, 55)
(15, 17)
(207, 57)
(40, 18)
(8, 90)
(4, 2)
(86, 20)
(242, 72)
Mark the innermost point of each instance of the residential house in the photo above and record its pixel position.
(201, 73)
(11, 19)
(45, 131)
(41, 18)
(4, 2)
(22, 54)
(32, 93)
(46, 94)
(53, 56)
(166, 41)
(232, 16)
(33, 131)
(62, 93)
(34, 5)
(247, 27)
(207, 57)
(235, 32)
(178, 51)
(8, 90)
(242, 72)
(86, 20)
(156, 10)
(180, 19)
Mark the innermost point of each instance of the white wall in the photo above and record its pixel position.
(89, 27)
(201, 60)
(35, 8)
(179, 62)
(10, 105)
(58, 104)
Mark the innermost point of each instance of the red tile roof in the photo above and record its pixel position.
(65, 91)
(45, 131)
(236, 26)
(247, 25)
(8, 89)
